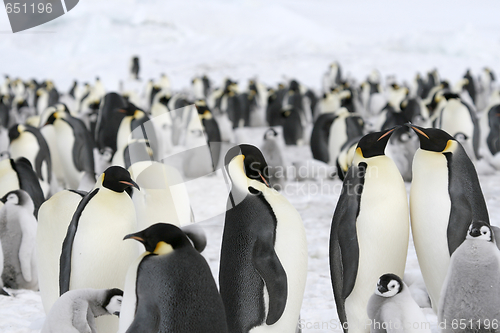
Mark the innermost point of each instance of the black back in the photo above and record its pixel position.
(467, 200)
(177, 293)
(109, 119)
(493, 139)
(28, 181)
(344, 249)
(83, 156)
(320, 135)
(43, 153)
(292, 127)
(248, 262)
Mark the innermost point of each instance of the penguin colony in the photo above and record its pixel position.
(83, 175)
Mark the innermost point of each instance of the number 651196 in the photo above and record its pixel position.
(17, 8)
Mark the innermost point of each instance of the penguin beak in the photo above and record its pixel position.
(130, 183)
(134, 236)
(419, 130)
(388, 133)
(382, 289)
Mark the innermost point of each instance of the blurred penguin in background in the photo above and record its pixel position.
(272, 151)
(134, 68)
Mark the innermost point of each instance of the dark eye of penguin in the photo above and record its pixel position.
(481, 231)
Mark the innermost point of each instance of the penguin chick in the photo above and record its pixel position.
(170, 287)
(471, 289)
(75, 310)
(391, 307)
(18, 233)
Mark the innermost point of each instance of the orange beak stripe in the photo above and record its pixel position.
(386, 134)
(264, 179)
(420, 132)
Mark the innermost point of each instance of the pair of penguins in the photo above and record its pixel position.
(370, 227)
(169, 288)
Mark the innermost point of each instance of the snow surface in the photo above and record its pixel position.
(271, 40)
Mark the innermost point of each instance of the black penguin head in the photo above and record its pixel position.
(113, 301)
(389, 285)
(12, 197)
(432, 139)
(255, 165)
(270, 133)
(373, 144)
(201, 107)
(117, 179)
(480, 230)
(161, 238)
(15, 131)
(18, 198)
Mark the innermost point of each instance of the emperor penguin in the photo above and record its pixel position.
(456, 118)
(75, 148)
(134, 68)
(320, 136)
(392, 308)
(76, 309)
(471, 290)
(17, 234)
(272, 149)
(93, 254)
(27, 141)
(212, 131)
(170, 287)
(54, 218)
(263, 262)
(108, 120)
(345, 127)
(445, 196)
(370, 232)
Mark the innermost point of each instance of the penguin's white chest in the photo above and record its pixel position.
(100, 257)
(430, 207)
(382, 229)
(337, 138)
(25, 146)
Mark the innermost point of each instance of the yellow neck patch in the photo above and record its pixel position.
(163, 248)
(359, 152)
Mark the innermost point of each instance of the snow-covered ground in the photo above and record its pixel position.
(270, 40)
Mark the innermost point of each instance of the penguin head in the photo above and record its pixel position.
(113, 301)
(389, 285)
(161, 238)
(251, 159)
(373, 144)
(433, 139)
(270, 133)
(18, 198)
(15, 131)
(480, 230)
(117, 179)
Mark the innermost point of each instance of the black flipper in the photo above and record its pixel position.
(83, 155)
(344, 249)
(28, 181)
(43, 154)
(67, 248)
(466, 196)
(3, 292)
(272, 272)
(476, 136)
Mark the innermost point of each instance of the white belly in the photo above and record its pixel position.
(430, 207)
(100, 257)
(65, 140)
(383, 232)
